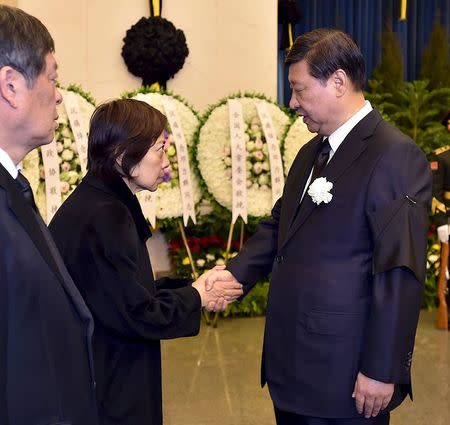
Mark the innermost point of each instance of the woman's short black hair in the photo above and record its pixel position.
(125, 129)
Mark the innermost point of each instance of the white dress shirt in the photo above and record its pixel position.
(8, 163)
(337, 137)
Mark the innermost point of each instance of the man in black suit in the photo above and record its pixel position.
(46, 374)
(346, 246)
(440, 205)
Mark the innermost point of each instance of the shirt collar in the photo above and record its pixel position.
(8, 163)
(337, 137)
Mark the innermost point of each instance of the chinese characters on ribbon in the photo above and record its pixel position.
(79, 127)
(276, 166)
(238, 160)
(52, 182)
(187, 196)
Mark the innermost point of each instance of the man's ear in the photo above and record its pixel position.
(340, 82)
(10, 82)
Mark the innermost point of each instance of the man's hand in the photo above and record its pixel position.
(217, 288)
(371, 396)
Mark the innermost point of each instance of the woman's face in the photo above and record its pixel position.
(149, 172)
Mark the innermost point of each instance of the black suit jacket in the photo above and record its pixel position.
(347, 276)
(101, 233)
(441, 185)
(46, 368)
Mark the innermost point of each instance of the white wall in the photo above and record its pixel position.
(232, 44)
(9, 2)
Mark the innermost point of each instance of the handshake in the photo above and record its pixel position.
(217, 288)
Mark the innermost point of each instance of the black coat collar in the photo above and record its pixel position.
(116, 187)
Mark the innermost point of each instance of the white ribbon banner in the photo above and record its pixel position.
(52, 182)
(238, 160)
(273, 145)
(187, 197)
(79, 127)
(147, 200)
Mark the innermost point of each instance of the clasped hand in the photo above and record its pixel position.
(217, 288)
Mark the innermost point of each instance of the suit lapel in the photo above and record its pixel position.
(298, 176)
(348, 152)
(27, 218)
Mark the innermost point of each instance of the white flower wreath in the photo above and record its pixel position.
(297, 136)
(168, 195)
(214, 154)
(69, 163)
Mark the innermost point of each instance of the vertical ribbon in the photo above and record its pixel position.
(155, 7)
(147, 200)
(238, 160)
(273, 145)
(79, 127)
(184, 171)
(291, 37)
(52, 182)
(403, 9)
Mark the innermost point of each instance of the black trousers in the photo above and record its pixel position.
(287, 418)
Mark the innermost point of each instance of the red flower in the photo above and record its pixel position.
(194, 244)
(175, 245)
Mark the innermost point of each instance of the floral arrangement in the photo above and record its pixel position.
(213, 152)
(168, 195)
(69, 163)
(30, 169)
(297, 136)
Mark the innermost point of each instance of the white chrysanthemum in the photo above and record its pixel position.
(214, 141)
(70, 170)
(168, 197)
(319, 190)
(297, 136)
(30, 169)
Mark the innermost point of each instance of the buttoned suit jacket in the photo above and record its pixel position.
(46, 375)
(347, 276)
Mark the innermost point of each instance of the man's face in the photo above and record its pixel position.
(312, 99)
(39, 118)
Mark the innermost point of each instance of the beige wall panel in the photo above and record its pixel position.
(9, 2)
(232, 44)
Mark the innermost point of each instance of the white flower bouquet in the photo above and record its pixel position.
(70, 173)
(297, 136)
(213, 152)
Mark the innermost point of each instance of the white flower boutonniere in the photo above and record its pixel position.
(319, 190)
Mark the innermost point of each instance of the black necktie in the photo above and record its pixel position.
(321, 159)
(25, 188)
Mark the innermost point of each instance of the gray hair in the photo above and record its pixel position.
(24, 42)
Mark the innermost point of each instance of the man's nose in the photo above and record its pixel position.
(58, 97)
(293, 103)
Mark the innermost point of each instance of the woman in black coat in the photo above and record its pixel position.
(102, 234)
